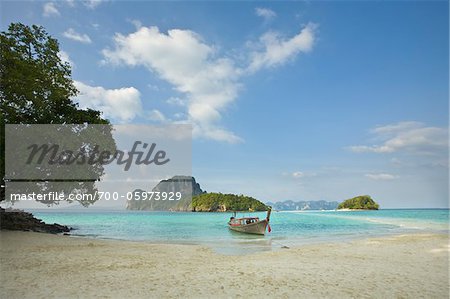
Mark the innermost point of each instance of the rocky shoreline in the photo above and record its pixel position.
(12, 219)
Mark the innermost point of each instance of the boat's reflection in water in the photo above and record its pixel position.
(247, 244)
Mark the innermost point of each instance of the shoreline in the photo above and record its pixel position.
(279, 245)
(407, 266)
(233, 245)
(354, 210)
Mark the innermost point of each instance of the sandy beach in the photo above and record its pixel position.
(37, 265)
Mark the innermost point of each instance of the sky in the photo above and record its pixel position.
(288, 100)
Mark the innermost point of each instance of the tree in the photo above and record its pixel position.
(36, 87)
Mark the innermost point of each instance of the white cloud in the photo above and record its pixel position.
(156, 115)
(176, 101)
(413, 137)
(183, 59)
(298, 174)
(122, 104)
(65, 58)
(178, 115)
(92, 4)
(153, 87)
(79, 37)
(209, 81)
(215, 133)
(265, 13)
(397, 127)
(136, 23)
(50, 10)
(278, 50)
(381, 176)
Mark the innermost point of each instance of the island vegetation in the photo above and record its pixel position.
(218, 202)
(363, 202)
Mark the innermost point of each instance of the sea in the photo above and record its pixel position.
(288, 228)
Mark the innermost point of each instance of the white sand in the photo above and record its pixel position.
(35, 265)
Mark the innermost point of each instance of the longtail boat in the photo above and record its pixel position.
(250, 225)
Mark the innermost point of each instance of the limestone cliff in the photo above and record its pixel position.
(186, 185)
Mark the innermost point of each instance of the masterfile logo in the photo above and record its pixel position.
(94, 162)
(52, 155)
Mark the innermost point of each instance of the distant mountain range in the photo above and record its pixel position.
(212, 201)
(289, 205)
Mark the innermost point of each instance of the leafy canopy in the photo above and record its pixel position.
(36, 85)
(228, 202)
(36, 88)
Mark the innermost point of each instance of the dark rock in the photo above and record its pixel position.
(13, 219)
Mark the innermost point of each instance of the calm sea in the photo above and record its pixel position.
(288, 228)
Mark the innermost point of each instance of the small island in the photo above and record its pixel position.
(201, 200)
(218, 202)
(363, 202)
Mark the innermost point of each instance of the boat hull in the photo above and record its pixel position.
(258, 228)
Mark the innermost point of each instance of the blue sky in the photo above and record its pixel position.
(290, 100)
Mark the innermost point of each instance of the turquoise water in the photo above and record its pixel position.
(288, 228)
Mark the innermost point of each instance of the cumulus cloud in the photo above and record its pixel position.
(410, 136)
(381, 176)
(78, 37)
(183, 59)
(277, 50)
(65, 58)
(121, 104)
(49, 10)
(209, 81)
(265, 13)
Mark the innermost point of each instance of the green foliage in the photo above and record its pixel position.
(36, 86)
(211, 202)
(364, 202)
